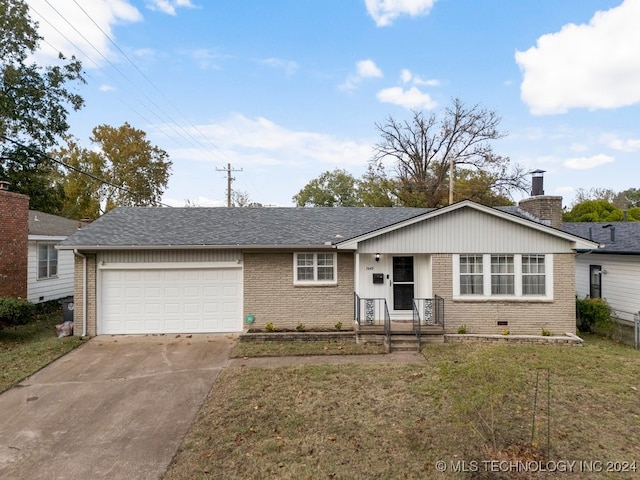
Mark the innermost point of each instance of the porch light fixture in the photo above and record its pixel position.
(377, 257)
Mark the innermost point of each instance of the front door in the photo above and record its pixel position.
(403, 283)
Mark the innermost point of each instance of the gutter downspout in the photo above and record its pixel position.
(84, 292)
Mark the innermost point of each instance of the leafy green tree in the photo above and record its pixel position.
(593, 211)
(425, 148)
(595, 193)
(34, 106)
(137, 172)
(330, 189)
(375, 189)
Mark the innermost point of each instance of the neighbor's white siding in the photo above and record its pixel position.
(49, 288)
(465, 231)
(620, 283)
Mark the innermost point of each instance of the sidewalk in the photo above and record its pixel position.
(398, 357)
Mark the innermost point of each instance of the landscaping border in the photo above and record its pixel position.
(566, 339)
(346, 336)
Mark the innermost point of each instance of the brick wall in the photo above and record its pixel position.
(14, 233)
(545, 207)
(78, 300)
(270, 295)
(523, 317)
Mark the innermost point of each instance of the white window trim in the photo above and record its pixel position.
(517, 296)
(51, 246)
(315, 269)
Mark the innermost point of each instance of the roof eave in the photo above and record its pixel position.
(197, 247)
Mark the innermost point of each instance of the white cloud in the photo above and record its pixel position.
(585, 163)
(407, 77)
(206, 59)
(412, 98)
(578, 147)
(364, 69)
(106, 88)
(259, 141)
(564, 190)
(592, 66)
(168, 6)
(289, 66)
(384, 12)
(623, 145)
(85, 40)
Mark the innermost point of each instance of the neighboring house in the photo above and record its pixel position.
(191, 270)
(611, 272)
(30, 266)
(49, 272)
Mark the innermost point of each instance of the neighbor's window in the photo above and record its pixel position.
(533, 275)
(47, 261)
(471, 277)
(315, 268)
(502, 275)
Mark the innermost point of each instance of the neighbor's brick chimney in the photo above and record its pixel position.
(14, 232)
(545, 207)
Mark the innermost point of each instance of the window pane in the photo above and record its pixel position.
(325, 259)
(533, 285)
(533, 278)
(325, 273)
(305, 273)
(305, 259)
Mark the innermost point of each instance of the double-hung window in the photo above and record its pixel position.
(47, 261)
(471, 276)
(502, 275)
(533, 275)
(315, 268)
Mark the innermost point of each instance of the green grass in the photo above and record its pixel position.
(27, 348)
(468, 402)
(278, 349)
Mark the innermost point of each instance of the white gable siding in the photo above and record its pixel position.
(49, 288)
(620, 283)
(465, 231)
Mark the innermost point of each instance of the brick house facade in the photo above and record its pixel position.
(14, 232)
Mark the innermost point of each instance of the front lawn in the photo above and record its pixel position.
(27, 348)
(467, 406)
(278, 349)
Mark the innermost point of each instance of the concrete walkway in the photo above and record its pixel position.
(116, 408)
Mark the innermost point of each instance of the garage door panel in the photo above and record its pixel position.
(170, 301)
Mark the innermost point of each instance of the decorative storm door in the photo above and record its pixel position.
(403, 283)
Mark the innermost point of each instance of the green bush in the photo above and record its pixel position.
(270, 327)
(593, 312)
(15, 311)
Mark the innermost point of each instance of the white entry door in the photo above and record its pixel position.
(171, 300)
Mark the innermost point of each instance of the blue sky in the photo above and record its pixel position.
(288, 89)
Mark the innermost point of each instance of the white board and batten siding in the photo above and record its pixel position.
(620, 281)
(182, 291)
(465, 231)
(54, 288)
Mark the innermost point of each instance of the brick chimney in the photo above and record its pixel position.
(14, 233)
(547, 208)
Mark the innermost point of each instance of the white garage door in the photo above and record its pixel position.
(170, 301)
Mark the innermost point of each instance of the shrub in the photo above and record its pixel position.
(300, 327)
(462, 329)
(338, 326)
(546, 333)
(270, 327)
(15, 311)
(593, 312)
(505, 332)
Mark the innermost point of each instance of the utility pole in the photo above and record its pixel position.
(229, 180)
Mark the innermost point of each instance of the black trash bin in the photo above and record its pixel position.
(67, 308)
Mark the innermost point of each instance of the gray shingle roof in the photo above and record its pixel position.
(150, 227)
(627, 235)
(41, 223)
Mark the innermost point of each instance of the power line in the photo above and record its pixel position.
(72, 168)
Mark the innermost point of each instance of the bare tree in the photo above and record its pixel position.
(427, 149)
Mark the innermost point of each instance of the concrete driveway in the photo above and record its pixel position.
(117, 408)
